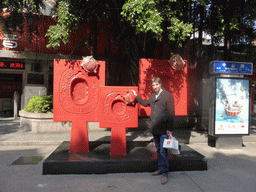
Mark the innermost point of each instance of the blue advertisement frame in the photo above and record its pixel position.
(232, 106)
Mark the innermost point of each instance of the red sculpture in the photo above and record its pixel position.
(76, 99)
(116, 114)
(80, 96)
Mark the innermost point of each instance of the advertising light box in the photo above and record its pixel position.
(232, 106)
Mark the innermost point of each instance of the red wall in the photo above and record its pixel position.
(37, 42)
(173, 81)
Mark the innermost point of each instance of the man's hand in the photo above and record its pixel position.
(134, 92)
(169, 133)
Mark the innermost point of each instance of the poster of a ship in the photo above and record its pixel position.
(233, 109)
(232, 105)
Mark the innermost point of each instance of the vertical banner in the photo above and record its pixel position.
(232, 106)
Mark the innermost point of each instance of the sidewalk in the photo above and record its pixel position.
(228, 170)
(11, 134)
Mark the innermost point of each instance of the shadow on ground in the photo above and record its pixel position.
(8, 126)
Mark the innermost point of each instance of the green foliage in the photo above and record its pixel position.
(167, 20)
(158, 16)
(144, 15)
(179, 30)
(15, 20)
(60, 31)
(70, 15)
(21, 5)
(40, 104)
(147, 16)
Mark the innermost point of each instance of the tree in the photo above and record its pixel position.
(18, 12)
(71, 14)
(164, 18)
(132, 45)
(225, 19)
(138, 25)
(170, 21)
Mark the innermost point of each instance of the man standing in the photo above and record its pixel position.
(162, 119)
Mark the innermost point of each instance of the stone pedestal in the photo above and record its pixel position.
(141, 157)
(42, 123)
(229, 142)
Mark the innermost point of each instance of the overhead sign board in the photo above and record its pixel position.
(231, 67)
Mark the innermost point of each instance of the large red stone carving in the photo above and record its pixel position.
(174, 81)
(80, 97)
(116, 114)
(76, 99)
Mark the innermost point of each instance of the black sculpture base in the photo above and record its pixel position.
(141, 157)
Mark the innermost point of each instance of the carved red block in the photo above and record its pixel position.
(76, 99)
(116, 114)
(173, 81)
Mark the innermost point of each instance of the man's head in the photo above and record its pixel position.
(157, 84)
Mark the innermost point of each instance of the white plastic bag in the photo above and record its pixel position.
(173, 145)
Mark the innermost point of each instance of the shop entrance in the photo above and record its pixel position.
(9, 83)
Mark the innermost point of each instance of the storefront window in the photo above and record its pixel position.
(35, 78)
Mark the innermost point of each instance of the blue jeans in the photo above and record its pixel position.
(162, 155)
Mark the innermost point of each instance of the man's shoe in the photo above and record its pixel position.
(164, 179)
(158, 172)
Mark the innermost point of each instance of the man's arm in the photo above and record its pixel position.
(143, 102)
(140, 100)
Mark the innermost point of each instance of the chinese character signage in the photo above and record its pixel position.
(12, 65)
(232, 67)
(10, 41)
(232, 106)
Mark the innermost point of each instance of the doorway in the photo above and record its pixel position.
(9, 83)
